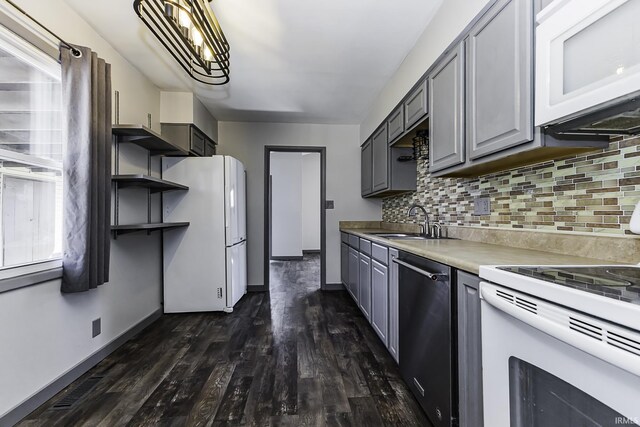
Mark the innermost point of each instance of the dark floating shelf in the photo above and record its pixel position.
(156, 185)
(133, 228)
(148, 139)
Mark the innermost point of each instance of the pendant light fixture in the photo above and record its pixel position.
(189, 30)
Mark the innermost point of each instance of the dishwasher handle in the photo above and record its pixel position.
(433, 276)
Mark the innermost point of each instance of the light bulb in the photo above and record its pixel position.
(185, 19)
(208, 56)
(196, 36)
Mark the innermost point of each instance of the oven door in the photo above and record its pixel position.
(536, 379)
(587, 57)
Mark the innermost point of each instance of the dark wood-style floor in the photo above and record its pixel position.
(296, 356)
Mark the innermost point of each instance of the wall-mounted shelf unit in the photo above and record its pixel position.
(155, 185)
(148, 139)
(148, 227)
(155, 145)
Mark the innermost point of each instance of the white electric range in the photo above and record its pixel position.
(561, 345)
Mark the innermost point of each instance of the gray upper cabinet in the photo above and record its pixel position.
(499, 79)
(366, 168)
(469, 350)
(446, 105)
(394, 301)
(395, 124)
(364, 288)
(380, 159)
(416, 105)
(189, 138)
(380, 300)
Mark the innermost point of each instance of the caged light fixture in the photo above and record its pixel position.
(189, 30)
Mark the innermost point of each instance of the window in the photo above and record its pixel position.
(31, 148)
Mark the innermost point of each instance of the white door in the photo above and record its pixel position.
(236, 273)
(234, 207)
(533, 379)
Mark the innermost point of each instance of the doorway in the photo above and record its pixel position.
(295, 217)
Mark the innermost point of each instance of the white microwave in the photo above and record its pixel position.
(588, 67)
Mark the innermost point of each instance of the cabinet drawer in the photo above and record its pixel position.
(415, 106)
(365, 246)
(354, 241)
(344, 237)
(379, 253)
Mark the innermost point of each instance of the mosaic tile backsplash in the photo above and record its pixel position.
(594, 192)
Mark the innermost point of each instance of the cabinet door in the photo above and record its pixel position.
(446, 106)
(395, 124)
(380, 300)
(416, 106)
(393, 342)
(469, 350)
(364, 280)
(366, 168)
(197, 142)
(344, 264)
(380, 159)
(209, 148)
(499, 79)
(354, 268)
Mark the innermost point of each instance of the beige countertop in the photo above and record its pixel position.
(468, 255)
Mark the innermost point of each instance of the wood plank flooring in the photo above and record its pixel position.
(293, 357)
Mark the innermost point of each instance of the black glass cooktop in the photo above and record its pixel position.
(617, 282)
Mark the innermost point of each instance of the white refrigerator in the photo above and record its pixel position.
(205, 264)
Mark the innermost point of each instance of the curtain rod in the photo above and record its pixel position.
(75, 51)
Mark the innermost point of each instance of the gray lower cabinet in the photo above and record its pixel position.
(393, 340)
(354, 268)
(499, 79)
(446, 107)
(366, 168)
(380, 300)
(380, 159)
(364, 285)
(469, 351)
(344, 264)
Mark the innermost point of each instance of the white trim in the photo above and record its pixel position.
(28, 53)
(35, 267)
(31, 31)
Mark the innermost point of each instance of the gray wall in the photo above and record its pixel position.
(246, 141)
(44, 333)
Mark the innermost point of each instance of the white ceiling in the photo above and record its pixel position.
(291, 60)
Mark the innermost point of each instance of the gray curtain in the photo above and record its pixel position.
(86, 96)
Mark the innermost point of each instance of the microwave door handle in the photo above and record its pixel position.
(433, 276)
(595, 347)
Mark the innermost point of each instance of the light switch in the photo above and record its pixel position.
(328, 204)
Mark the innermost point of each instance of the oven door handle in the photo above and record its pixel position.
(555, 327)
(433, 276)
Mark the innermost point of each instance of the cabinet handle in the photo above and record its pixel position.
(433, 276)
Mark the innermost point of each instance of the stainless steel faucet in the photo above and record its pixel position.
(412, 212)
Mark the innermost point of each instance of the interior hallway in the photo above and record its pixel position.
(296, 356)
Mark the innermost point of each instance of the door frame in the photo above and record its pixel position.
(268, 149)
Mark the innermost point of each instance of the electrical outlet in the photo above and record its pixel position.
(96, 327)
(482, 206)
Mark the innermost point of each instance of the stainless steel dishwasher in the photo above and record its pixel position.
(426, 343)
